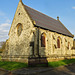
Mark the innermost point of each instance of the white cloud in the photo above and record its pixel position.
(4, 30)
(4, 25)
(73, 7)
(3, 36)
(8, 21)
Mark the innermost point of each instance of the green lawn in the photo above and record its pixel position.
(16, 65)
(0, 58)
(12, 65)
(61, 62)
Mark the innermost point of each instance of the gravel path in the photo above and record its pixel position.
(63, 70)
(2, 72)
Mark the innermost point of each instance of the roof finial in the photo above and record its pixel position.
(58, 18)
(20, 0)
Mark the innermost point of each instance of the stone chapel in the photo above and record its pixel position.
(35, 37)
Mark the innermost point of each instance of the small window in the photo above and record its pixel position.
(43, 40)
(19, 14)
(58, 42)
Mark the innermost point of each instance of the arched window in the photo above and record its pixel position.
(43, 40)
(58, 42)
(19, 29)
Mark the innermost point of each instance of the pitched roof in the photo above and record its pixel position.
(47, 22)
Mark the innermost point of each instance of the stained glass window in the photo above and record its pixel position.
(19, 29)
(58, 42)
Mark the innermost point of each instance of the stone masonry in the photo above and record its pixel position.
(27, 46)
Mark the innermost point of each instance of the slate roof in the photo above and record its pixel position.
(47, 22)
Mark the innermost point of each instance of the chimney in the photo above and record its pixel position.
(58, 18)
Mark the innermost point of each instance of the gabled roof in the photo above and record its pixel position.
(47, 22)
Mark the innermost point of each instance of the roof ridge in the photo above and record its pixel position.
(51, 21)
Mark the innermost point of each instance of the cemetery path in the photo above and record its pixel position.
(62, 70)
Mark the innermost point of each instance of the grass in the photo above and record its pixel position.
(0, 58)
(61, 62)
(12, 65)
(16, 65)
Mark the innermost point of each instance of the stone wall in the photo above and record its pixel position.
(74, 43)
(51, 42)
(27, 46)
(20, 45)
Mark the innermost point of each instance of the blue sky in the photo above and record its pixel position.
(65, 9)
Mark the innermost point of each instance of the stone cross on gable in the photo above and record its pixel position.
(20, 0)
